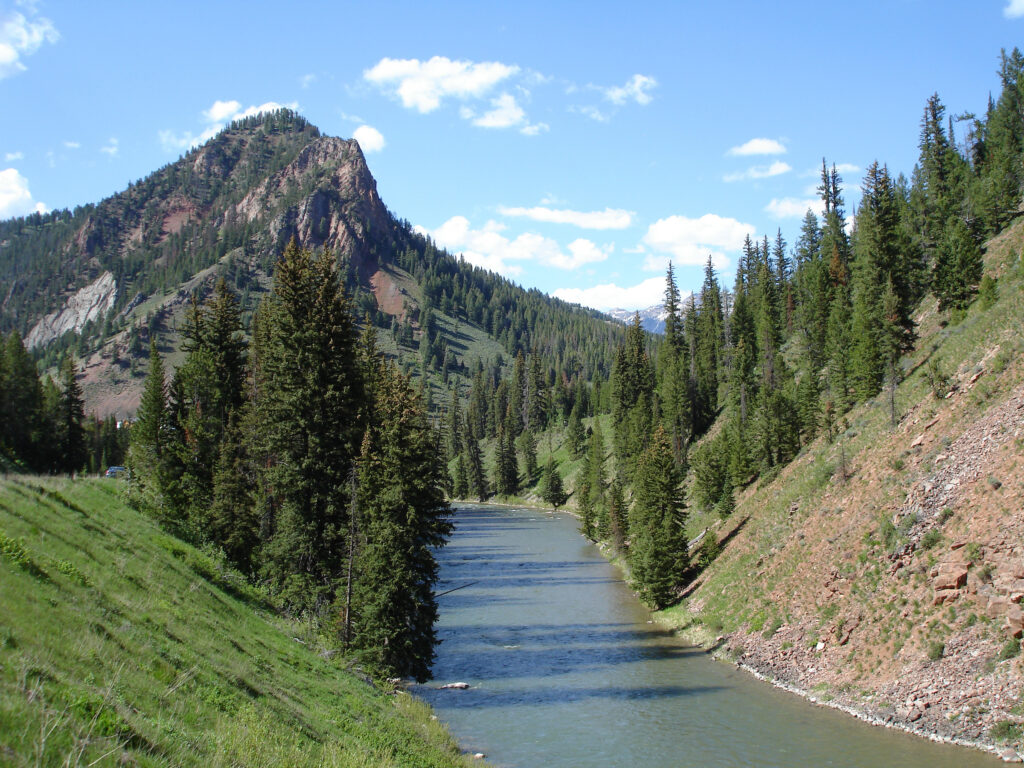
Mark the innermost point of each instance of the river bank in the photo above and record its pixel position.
(920, 715)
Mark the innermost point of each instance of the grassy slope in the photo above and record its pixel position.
(808, 577)
(120, 644)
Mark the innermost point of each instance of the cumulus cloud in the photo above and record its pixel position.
(637, 89)
(423, 85)
(611, 296)
(15, 196)
(369, 138)
(490, 249)
(1014, 9)
(609, 218)
(759, 147)
(759, 172)
(505, 112)
(221, 111)
(216, 118)
(793, 207)
(22, 36)
(110, 148)
(691, 241)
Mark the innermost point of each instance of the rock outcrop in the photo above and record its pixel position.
(89, 303)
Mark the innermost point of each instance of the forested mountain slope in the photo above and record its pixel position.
(884, 569)
(103, 280)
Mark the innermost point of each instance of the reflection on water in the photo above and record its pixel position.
(566, 670)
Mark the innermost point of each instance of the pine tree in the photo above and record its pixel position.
(21, 406)
(475, 470)
(232, 522)
(71, 449)
(574, 434)
(403, 516)
(526, 444)
(153, 485)
(618, 530)
(551, 489)
(311, 409)
(460, 482)
(658, 553)
(958, 267)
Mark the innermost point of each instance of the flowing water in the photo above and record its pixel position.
(566, 670)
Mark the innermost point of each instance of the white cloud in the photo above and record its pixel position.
(216, 117)
(72, 144)
(15, 197)
(612, 296)
(110, 148)
(1014, 9)
(505, 112)
(759, 147)
(307, 80)
(221, 111)
(691, 241)
(637, 89)
(609, 218)
(490, 249)
(423, 85)
(592, 112)
(369, 138)
(794, 208)
(21, 36)
(10, 157)
(760, 172)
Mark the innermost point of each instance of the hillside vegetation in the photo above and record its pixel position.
(121, 645)
(883, 569)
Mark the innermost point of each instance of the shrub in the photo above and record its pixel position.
(1005, 730)
(936, 650)
(988, 292)
(931, 538)
(1010, 649)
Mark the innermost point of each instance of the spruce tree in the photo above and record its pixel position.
(71, 449)
(658, 553)
(403, 517)
(551, 489)
(311, 406)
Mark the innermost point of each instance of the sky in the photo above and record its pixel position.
(572, 147)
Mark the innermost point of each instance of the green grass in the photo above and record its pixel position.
(122, 645)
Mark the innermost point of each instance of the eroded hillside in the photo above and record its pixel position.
(884, 570)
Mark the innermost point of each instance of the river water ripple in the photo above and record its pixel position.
(565, 670)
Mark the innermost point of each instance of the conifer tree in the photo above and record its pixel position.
(527, 446)
(658, 553)
(403, 516)
(232, 522)
(311, 409)
(153, 485)
(475, 470)
(71, 450)
(460, 482)
(618, 526)
(551, 489)
(21, 406)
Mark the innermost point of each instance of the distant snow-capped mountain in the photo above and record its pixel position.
(652, 319)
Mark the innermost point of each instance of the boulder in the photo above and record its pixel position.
(950, 576)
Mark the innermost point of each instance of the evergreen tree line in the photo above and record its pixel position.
(43, 425)
(306, 458)
(805, 335)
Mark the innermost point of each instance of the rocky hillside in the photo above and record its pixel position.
(884, 571)
(102, 280)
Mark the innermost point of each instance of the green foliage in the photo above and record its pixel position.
(931, 539)
(1009, 650)
(658, 555)
(551, 489)
(988, 292)
(166, 667)
(936, 650)
(1006, 731)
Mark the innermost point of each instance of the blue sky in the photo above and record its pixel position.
(574, 147)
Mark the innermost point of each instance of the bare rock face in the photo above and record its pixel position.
(950, 576)
(88, 303)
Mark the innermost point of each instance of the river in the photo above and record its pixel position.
(566, 669)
